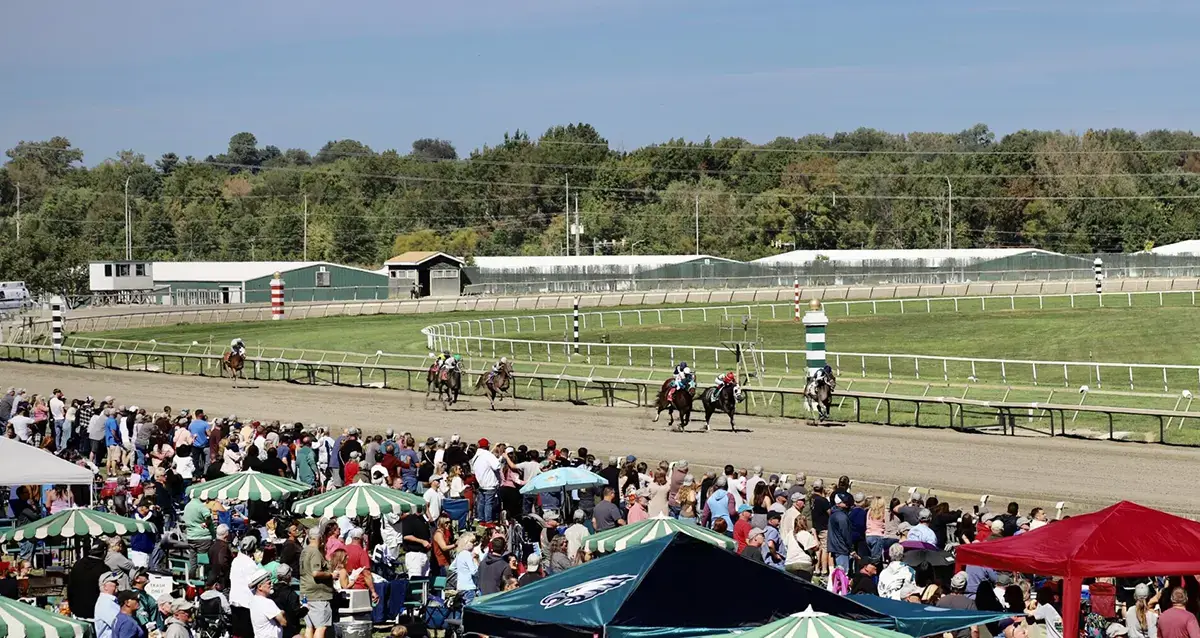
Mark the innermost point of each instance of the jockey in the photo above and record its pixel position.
(683, 378)
(238, 347)
(496, 367)
(727, 378)
(441, 360)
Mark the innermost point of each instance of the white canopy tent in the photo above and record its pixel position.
(21, 464)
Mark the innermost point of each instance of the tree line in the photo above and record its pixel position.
(1100, 191)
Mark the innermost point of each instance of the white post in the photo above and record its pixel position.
(575, 316)
(56, 321)
(128, 231)
(1098, 267)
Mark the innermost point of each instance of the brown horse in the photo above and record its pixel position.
(234, 363)
(496, 385)
(681, 400)
(448, 384)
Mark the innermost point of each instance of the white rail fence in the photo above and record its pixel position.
(105, 319)
(486, 337)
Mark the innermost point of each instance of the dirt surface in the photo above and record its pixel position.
(1087, 474)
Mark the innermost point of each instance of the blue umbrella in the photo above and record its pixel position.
(563, 478)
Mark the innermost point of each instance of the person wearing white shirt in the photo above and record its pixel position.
(752, 481)
(241, 572)
(486, 467)
(266, 619)
(736, 486)
(58, 413)
(434, 498)
(20, 423)
(457, 486)
(575, 534)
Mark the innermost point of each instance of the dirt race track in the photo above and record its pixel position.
(1033, 470)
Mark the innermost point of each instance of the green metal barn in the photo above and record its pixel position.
(230, 282)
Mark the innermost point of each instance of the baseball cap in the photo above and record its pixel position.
(181, 604)
(483, 443)
(551, 444)
(839, 499)
(779, 492)
(757, 531)
(744, 508)
(126, 596)
(630, 459)
(534, 561)
(110, 577)
(774, 515)
(455, 439)
(959, 581)
(1023, 521)
(163, 599)
(924, 515)
(859, 497)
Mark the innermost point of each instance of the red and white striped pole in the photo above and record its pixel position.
(796, 285)
(277, 298)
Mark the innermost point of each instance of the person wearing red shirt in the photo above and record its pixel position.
(741, 529)
(357, 557)
(351, 470)
(1178, 622)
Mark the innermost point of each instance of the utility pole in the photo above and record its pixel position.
(949, 214)
(578, 229)
(18, 211)
(567, 211)
(697, 222)
(306, 227)
(128, 231)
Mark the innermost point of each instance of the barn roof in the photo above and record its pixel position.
(549, 263)
(236, 271)
(931, 256)
(418, 257)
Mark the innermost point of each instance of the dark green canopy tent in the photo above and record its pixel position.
(674, 586)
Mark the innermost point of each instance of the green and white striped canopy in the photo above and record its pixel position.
(812, 624)
(19, 620)
(359, 499)
(77, 522)
(619, 538)
(248, 486)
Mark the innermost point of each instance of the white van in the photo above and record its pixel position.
(13, 295)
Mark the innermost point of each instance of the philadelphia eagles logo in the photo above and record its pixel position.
(586, 591)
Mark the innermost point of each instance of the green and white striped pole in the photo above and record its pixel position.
(815, 321)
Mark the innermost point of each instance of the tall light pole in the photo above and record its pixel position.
(697, 222)
(306, 227)
(18, 211)
(949, 214)
(128, 230)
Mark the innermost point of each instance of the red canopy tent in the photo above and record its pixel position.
(1125, 539)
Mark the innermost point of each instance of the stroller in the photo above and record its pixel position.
(211, 619)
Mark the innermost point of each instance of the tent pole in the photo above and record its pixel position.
(1072, 587)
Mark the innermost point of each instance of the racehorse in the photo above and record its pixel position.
(234, 363)
(818, 395)
(723, 400)
(496, 385)
(448, 384)
(681, 400)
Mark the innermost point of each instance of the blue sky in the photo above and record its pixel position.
(170, 76)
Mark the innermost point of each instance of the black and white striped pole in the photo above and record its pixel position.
(1098, 267)
(575, 317)
(56, 322)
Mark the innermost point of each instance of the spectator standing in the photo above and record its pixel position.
(107, 607)
(607, 515)
(316, 586)
(841, 543)
(58, 415)
(957, 599)
(199, 529)
(178, 624)
(266, 619)
(486, 468)
(199, 428)
(417, 541)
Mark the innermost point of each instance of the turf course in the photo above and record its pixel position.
(1143, 333)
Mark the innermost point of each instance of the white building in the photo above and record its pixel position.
(928, 257)
(1188, 247)
(584, 264)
